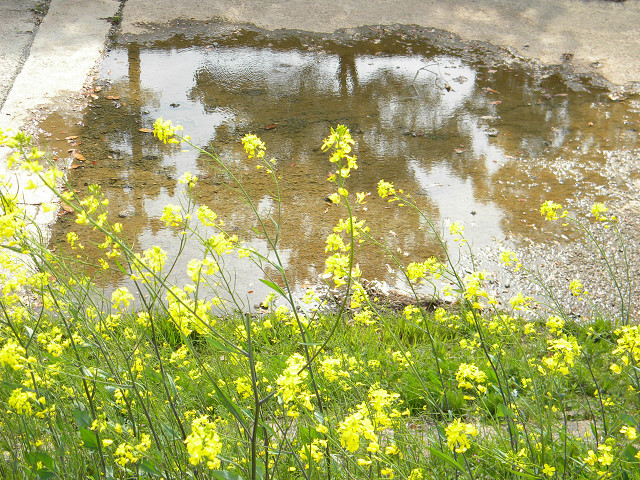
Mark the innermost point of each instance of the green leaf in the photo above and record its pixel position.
(628, 419)
(83, 418)
(170, 432)
(226, 475)
(630, 453)
(99, 373)
(29, 331)
(147, 467)
(45, 474)
(504, 411)
(318, 416)
(45, 459)
(89, 439)
(218, 345)
(10, 385)
(447, 458)
(273, 286)
(229, 405)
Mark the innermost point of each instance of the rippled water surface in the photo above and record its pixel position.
(477, 143)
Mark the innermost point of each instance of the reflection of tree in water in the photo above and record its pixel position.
(306, 217)
(347, 71)
(128, 163)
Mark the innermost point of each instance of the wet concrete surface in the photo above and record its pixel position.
(474, 137)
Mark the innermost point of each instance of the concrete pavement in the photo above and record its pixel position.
(20, 20)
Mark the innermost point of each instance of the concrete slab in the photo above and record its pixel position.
(65, 50)
(601, 36)
(17, 29)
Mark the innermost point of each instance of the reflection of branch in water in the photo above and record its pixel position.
(439, 82)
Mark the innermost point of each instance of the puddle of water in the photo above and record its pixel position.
(477, 144)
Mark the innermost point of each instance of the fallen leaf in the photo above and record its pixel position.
(79, 156)
(73, 167)
(459, 150)
(145, 130)
(71, 137)
(113, 97)
(94, 96)
(271, 126)
(67, 208)
(496, 102)
(562, 94)
(97, 89)
(489, 90)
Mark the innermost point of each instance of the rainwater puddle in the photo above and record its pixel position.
(480, 144)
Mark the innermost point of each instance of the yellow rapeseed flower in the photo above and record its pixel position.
(204, 444)
(457, 432)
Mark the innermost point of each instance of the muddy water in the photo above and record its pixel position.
(477, 143)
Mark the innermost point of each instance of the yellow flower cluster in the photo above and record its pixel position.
(386, 189)
(172, 216)
(165, 131)
(430, 267)
(457, 432)
(564, 350)
(470, 377)
(12, 355)
(291, 385)
(375, 415)
(628, 344)
(149, 264)
(509, 258)
(20, 401)
(601, 459)
(549, 209)
(314, 451)
(341, 141)
(128, 453)
(357, 425)
(253, 146)
(221, 243)
(188, 314)
(204, 444)
(121, 298)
